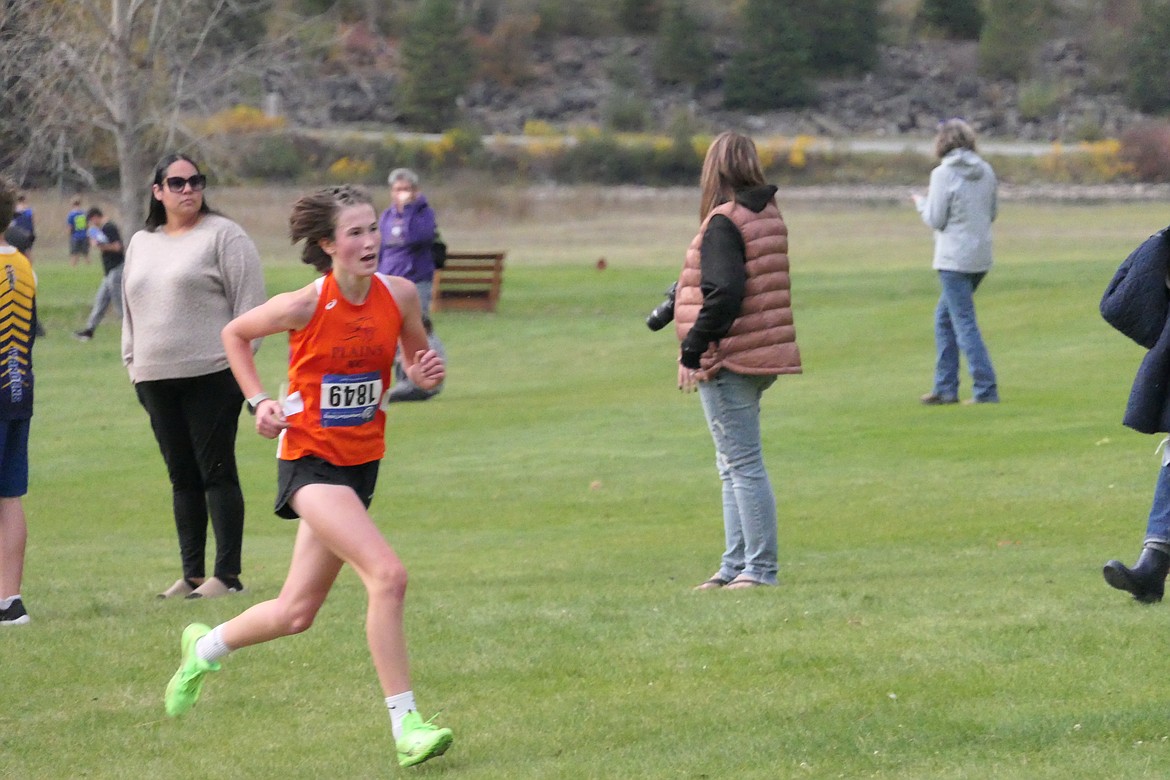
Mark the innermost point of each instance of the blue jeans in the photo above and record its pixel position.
(1158, 526)
(424, 295)
(955, 330)
(404, 389)
(731, 403)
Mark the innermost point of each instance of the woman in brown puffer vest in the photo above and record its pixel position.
(733, 316)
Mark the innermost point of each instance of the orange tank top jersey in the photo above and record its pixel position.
(339, 367)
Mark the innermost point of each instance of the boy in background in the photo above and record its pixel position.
(78, 238)
(23, 218)
(105, 236)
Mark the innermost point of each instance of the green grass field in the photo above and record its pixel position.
(941, 611)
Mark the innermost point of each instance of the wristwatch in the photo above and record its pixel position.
(255, 401)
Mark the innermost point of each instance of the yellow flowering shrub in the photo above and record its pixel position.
(798, 152)
(538, 127)
(348, 169)
(1088, 162)
(241, 119)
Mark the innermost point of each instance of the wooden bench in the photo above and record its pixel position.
(469, 281)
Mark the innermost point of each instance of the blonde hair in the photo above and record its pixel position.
(731, 164)
(314, 217)
(953, 134)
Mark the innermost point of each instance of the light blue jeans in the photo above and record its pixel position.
(404, 389)
(955, 330)
(424, 295)
(731, 403)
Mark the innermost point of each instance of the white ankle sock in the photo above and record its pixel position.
(211, 646)
(8, 602)
(399, 704)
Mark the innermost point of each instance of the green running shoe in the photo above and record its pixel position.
(421, 740)
(183, 689)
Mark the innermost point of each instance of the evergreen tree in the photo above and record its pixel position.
(1149, 63)
(436, 66)
(682, 54)
(771, 69)
(625, 108)
(959, 19)
(843, 36)
(1013, 31)
(639, 16)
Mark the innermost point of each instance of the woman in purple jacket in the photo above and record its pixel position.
(408, 233)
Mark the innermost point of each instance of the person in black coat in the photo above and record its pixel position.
(1137, 303)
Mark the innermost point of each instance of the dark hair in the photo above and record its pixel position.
(314, 217)
(731, 164)
(156, 213)
(94, 212)
(7, 202)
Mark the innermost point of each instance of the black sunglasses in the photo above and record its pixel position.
(178, 183)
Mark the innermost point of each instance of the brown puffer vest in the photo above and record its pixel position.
(762, 340)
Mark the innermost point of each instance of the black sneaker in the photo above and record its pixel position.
(83, 335)
(15, 615)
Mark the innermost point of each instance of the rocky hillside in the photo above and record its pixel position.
(911, 90)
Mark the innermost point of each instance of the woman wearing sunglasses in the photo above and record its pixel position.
(189, 273)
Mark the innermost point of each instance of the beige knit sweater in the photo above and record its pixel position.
(179, 291)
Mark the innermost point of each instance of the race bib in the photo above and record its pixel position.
(349, 399)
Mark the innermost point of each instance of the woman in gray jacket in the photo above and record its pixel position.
(960, 206)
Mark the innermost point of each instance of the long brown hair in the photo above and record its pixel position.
(732, 164)
(314, 217)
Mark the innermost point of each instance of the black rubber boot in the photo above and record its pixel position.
(1146, 580)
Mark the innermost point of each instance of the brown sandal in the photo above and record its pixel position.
(713, 583)
(743, 583)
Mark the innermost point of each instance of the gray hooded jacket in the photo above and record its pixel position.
(960, 206)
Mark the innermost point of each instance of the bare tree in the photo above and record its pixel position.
(123, 77)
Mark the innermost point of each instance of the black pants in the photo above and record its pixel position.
(195, 421)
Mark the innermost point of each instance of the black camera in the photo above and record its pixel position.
(663, 314)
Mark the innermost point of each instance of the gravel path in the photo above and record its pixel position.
(1095, 193)
(865, 193)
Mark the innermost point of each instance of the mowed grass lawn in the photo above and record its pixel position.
(941, 611)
